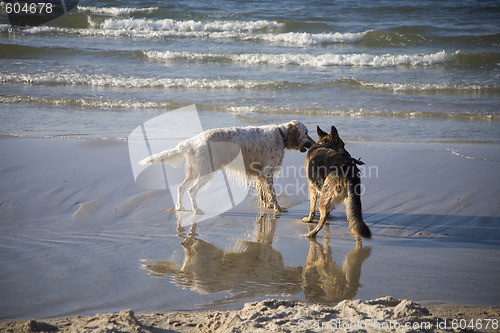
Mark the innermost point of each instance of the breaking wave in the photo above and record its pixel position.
(258, 31)
(88, 102)
(241, 110)
(114, 11)
(167, 25)
(365, 113)
(428, 88)
(103, 80)
(384, 60)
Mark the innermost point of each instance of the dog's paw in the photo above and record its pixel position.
(280, 210)
(267, 205)
(312, 234)
(307, 219)
(198, 212)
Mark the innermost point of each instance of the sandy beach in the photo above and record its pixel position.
(79, 237)
(381, 315)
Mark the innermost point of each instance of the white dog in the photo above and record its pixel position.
(262, 149)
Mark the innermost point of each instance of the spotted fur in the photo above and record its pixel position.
(262, 149)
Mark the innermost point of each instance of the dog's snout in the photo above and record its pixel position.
(307, 144)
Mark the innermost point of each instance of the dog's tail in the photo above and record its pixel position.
(353, 209)
(171, 156)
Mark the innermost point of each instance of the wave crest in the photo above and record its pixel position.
(187, 26)
(103, 80)
(308, 60)
(114, 11)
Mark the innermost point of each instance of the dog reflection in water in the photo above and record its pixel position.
(326, 281)
(251, 267)
(255, 268)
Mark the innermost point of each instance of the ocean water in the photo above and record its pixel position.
(411, 71)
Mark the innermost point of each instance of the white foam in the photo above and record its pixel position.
(224, 30)
(303, 38)
(385, 60)
(189, 25)
(310, 60)
(262, 30)
(410, 87)
(114, 10)
(457, 152)
(88, 103)
(129, 82)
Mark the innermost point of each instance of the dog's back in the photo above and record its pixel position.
(322, 162)
(334, 176)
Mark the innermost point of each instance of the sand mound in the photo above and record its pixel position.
(385, 314)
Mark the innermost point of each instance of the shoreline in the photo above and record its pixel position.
(354, 140)
(380, 315)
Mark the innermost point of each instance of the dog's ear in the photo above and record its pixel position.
(321, 134)
(292, 135)
(333, 133)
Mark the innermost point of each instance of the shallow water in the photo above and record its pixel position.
(79, 236)
(153, 266)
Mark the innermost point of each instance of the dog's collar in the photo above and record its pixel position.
(314, 147)
(282, 136)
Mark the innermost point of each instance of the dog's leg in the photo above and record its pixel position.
(180, 192)
(272, 195)
(324, 203)
(185, 184)
(261, 192)
(333, 192)
(193, 191)
(313, 197)
(265, 193)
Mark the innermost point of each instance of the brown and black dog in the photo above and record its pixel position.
(333, 175)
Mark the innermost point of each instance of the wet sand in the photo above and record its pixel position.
(79, 237)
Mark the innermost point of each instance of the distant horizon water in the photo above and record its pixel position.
(401, 71)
